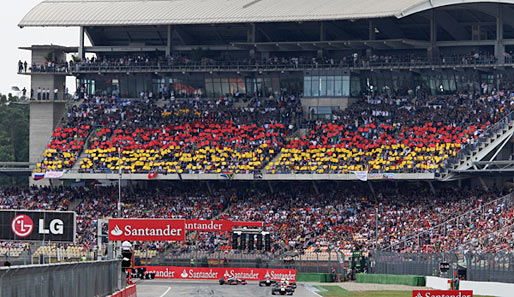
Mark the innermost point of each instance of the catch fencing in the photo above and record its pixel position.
(498, 267)
(322, 262)
(80, 279)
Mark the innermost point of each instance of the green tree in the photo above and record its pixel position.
(14, 135)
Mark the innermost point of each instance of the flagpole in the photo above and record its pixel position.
(119, 183)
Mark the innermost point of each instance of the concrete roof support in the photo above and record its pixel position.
(371, 30)
(82, 54)
(433, 50)
(168, 42)
(499, 46)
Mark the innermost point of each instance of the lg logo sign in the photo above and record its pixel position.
(23, 226)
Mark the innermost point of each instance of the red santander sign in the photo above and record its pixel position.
(217, 226)
(442, 293)
(214, 273)
(147, 230)
(208, 225)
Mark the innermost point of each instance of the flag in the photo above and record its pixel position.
(361, 175)
(54, 174)
(152, 175)
(227, 175)
(37, 176)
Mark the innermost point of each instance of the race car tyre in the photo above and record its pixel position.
(222, 282)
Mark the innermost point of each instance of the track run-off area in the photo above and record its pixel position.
(207, 288)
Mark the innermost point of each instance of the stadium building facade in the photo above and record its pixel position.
(329, 52)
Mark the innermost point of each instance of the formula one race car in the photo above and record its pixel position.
(267, 282)
(282, 290)
(232, 281)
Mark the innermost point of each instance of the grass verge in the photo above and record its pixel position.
(336, 291)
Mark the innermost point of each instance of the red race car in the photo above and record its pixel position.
(232, 281)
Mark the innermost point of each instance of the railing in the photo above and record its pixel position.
(497, 267)
(308, 262)
(484, 136)
(415, 62)
(82, 279)
(416, 235)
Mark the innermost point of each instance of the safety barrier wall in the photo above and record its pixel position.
(315, 277)
(80, 279)
(216, 273)
(410, 280)
(478, 288)
(129, 291)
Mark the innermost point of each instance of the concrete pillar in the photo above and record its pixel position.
(44, 117)
(499, 46)
(82, 54)
(371, 36)
(250, 38)
(322, 37)
(371, 30)
(168, 39)
(433, 50)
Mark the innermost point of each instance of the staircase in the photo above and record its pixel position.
(495, 137)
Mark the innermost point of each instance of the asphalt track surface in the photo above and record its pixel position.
(169, 288)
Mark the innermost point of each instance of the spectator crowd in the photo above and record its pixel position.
(378, 134)
(300, 218)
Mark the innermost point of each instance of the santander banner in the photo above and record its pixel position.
(249, 274)
(147, 230)
(441, 293)
(218, 226)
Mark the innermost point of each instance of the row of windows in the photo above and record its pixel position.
(326, 86)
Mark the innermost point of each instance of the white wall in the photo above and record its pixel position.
(478, 288)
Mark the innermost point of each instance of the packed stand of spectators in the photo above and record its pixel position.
(99, 115)
(394, 134)
(416, 133)
(93, 203)
(195, 135)
(408, 221)
(336, 217)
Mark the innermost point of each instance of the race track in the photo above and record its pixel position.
(169, 288)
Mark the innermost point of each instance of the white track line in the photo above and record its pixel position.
(312, 290)
(163, 294)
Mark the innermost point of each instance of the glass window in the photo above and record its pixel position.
(355, 87)
(346, 86)
(208, 87)
(259, 87)
(233, 85)
(338, 86)
(315, 86)
(250, 86)
(323, 86)
(225, 88)
(307, 86)
(330, 86)
(216, 87)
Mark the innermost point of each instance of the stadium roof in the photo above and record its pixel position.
(169, 12)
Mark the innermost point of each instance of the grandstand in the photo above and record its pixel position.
(342, 125)
(258, 100)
